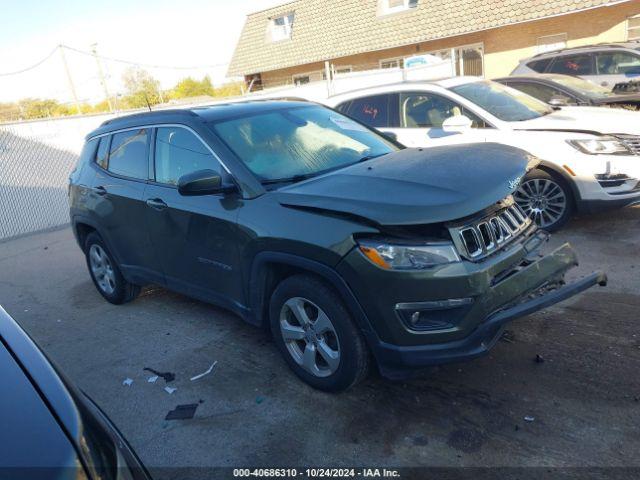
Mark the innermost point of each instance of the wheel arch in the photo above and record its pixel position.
(561, 173)
(83, 226)
(270, 268)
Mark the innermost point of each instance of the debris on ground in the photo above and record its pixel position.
(539, 358)
(206, 372)
(508, 336)
(182, 412)
(170, 390)
(529, 418)
(153, 379)
(259, 399)
(127, 382)
(168, 376)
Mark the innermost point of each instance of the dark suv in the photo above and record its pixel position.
(349, 247)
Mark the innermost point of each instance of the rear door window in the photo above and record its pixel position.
(578, 64)
(372, 111)
(179, 152)
(128, 155)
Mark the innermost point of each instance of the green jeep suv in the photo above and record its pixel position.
(350, 248)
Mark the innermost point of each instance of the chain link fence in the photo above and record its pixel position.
(34, 172)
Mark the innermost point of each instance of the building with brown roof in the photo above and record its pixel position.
(291, 43)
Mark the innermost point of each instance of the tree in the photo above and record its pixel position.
(142, 88)
(40, 108)
(231, 89)
(189, 87)
(9, 112)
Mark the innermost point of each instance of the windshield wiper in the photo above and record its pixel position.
(293, 179)
(370, 157)
(306, 176)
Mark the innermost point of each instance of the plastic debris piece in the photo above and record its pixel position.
(259, 399)
(539, 358)
(168, 376)
(153, 379)
(529, 418)
(182, 412)
(207, 372)
(170, 390)
(127, 382)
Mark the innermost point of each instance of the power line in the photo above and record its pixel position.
(129, 62)
(35, 65)
(111, 59)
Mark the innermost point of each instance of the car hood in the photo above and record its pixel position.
(633, 98)
(416, 186)
(589, 119)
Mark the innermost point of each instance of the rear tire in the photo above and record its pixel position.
(105, 273)
(316, 334)
(546, 198)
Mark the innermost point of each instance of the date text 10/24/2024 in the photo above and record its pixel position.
(316, 473)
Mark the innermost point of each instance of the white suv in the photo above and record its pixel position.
(590, 156)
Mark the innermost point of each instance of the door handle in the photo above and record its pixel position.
(156, 203)
(100, 190)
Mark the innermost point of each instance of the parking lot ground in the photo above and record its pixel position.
(584, 397)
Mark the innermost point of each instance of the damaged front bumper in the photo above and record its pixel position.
(483, 338)
(490, 297)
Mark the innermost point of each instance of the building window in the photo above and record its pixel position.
(392, 63)
(633, 28)
(549, 43)
(304, 78)
(281, 27)
(392, 6)
(301, 80)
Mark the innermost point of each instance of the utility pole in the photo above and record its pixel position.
(101, 75)
(71, 86)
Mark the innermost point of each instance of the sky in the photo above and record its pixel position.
(177, 33)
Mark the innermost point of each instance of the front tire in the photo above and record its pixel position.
(105, 273)
(546, 199)
(316, 334)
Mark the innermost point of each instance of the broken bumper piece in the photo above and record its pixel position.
(521, 294)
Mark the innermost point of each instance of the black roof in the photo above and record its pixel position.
(205, 113)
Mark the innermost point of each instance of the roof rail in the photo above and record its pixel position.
(604, 44)
(152, 113)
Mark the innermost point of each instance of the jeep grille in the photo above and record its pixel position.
(480, 238)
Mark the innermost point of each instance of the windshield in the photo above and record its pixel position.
(290, 142)
(503, 102)
(582, 86)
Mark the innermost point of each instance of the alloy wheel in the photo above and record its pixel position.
(102, 269)
(310, 337)
(543, 200)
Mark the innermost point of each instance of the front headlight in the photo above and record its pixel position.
(601, 146)
(408, 257)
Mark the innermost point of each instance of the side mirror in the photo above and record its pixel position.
(558, 101)
(457, 124)
(201, 182)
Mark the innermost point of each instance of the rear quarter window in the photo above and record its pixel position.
(102, 155)
(540, 66)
